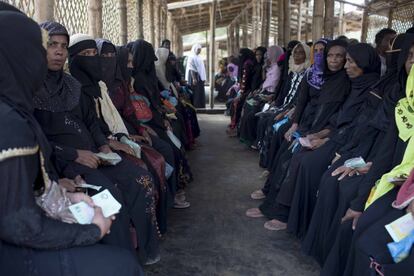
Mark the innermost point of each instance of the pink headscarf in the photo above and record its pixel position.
(273, 71)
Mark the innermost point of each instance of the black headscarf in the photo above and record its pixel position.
(111, 72)
(122, 53)
(368, 60)
(245, 54)
(23, 68)
(60, 92)
(86, 69)
(396, 77)
(146, 81)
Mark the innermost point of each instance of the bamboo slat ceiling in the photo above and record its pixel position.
(196, 18)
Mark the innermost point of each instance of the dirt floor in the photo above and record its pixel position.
(213, 236)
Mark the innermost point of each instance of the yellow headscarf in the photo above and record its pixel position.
(404, 118)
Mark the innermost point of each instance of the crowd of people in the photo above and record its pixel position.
(80, 116)
(332, 123)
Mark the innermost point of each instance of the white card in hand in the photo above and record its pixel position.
(109, 205)
(82, 212)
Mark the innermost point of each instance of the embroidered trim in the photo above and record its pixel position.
(16, 152)
(46, 178)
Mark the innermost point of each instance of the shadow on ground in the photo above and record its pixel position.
(213, 236)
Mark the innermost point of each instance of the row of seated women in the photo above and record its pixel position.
(57, 125)
(334, 136)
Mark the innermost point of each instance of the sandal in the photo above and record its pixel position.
(254, 213)
(275, 225)
(257, 195)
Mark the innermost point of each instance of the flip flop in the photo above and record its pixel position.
(275, 225)
(254, 213)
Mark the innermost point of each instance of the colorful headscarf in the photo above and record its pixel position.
(314, 75)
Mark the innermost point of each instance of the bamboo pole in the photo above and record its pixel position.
(286, 21)
(140, 19)
(280, 27)
(237, 37)
(365, 23)
(44, 10)
(329, 18)
(341, 19)
(244, 29)
(390, 17)
(317, 22)
(123, 20)
(231, 40)
(152, 23)
(212, 53)
(300, 20)
(95, 18)
(307, 34)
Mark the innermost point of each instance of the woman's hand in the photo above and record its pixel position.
(147, 137)
(150, 130)
(167, 125)
(289, 133)
(317, 143)
(102, 222)
(68, 184)
(105, 149)
(351, 214)
(121, 147)
(344, 171)
(87, 158)
(78, 197)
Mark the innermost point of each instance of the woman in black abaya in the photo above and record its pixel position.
(388, 156)
(31, 242)
(366, 142)
(362, 68)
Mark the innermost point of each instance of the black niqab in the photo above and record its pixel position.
(122, 63)
(146, 81)
(87, 70)
(111, 73)
(245, 54)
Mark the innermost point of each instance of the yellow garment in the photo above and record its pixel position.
(110, 113)
(404, 118)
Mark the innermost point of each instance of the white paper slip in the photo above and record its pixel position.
(401, 228)
(113, 158)
(82, 212)
(109, 205)
(174, 139)
(90, 186)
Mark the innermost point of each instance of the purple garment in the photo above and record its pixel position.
(233, 70)
(314, 75)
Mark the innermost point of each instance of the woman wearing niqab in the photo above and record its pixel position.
(32, 242)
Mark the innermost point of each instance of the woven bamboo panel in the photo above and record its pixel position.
(132, 20)
(111, 27)
(146, 19)
(27, 6)
(403, 17)
(376, 23)
(72, 14)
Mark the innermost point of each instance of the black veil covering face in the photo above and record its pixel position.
(111, 72)
(144, 73)
(122, 54)
(23, 68)
(245, 54)
(86, 69)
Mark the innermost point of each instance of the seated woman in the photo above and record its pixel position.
(67, 112)
(182, 119)
(389, 156)
(256, 100)
(222, 81)
(146, 84)
(112, 77)
(322, 106)
(246, 72)
(366, 142)
(285, 98)
(34, 239)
